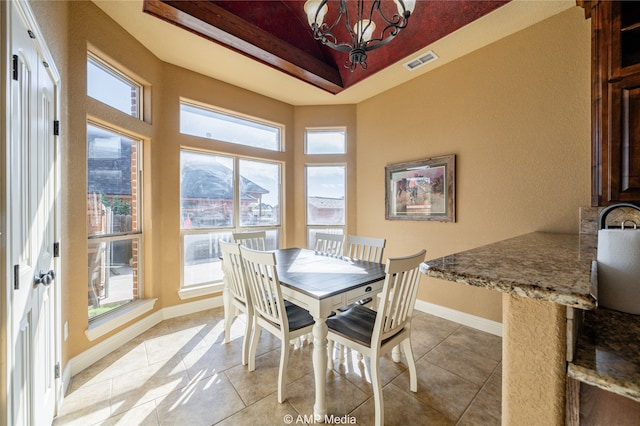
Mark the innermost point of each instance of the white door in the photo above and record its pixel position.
(31, 230)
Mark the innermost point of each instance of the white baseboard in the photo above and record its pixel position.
(459, 317)
(96, 352)
(191, 307)
(63, 386)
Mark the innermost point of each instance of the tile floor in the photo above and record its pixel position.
(181, 373)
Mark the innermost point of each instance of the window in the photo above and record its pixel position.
(213, 205)
(325, 141)
(113, 213)
(113, 88)
(211, 124)
(325, 191)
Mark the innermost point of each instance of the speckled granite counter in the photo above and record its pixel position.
(543, 266)
(537, 273)
(608, 352)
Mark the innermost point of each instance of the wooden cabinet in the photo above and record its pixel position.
(616, 102)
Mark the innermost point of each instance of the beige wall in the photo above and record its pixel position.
(517, 116)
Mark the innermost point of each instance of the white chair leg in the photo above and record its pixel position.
(228, 321)
(396, 354)
(246, 341)
(228, 316)
(377, 391)
(257, 330)
(342, 353)
(411, 363)
(282, 372)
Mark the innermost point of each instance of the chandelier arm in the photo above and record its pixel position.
(363, 28)
(396, 20)
(378, 42)
(375, 43)
(324, 32)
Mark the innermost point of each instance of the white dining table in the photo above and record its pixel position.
(321, 284)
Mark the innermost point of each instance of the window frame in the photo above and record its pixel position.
(134, 234)
(211, 286)
(331, 228)
(120, 75)
(234, 116)
(336, 129)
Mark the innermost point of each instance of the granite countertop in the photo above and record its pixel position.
(539, 265)
(608, 352)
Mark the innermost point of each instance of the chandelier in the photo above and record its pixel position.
(363, 36)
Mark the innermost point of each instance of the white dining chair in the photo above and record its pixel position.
(240, 298)
(373, 334)
(255, 240)
(329, 244)
(365, 248)
(359, 248)
(284, 322)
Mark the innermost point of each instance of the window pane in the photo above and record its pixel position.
(113, 274)
(259, 193)
(325, 195)
(112, 182)
(206, 190)
(112, 88)
(326, 141)
(210, 124)
(201, 256)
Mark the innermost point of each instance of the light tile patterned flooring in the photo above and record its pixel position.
(181, 373)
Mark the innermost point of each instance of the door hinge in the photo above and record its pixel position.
(57, 370)
(56, 249)
(15, 67)
(56, 127)
(31, 34)
(16, 277)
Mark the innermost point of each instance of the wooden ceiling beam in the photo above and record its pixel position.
(212, 22)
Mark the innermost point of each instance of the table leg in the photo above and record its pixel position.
(320, 367)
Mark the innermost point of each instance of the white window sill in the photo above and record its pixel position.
(200, 290)
(102, 326)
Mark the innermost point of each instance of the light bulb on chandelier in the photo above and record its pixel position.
(363, 36)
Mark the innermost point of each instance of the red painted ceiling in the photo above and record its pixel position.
(276, 33)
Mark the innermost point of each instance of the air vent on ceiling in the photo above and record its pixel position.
(421, 60)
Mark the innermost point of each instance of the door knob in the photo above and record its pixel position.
(45, 278)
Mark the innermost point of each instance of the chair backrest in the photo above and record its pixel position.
(329, 244)
(234, 270)
(264, 286)
(365, 248)
(398, 297)
(256, 240)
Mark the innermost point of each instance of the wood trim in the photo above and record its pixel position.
(587, 5)
(214, 23)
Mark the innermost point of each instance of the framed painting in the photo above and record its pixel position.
(421, 190)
